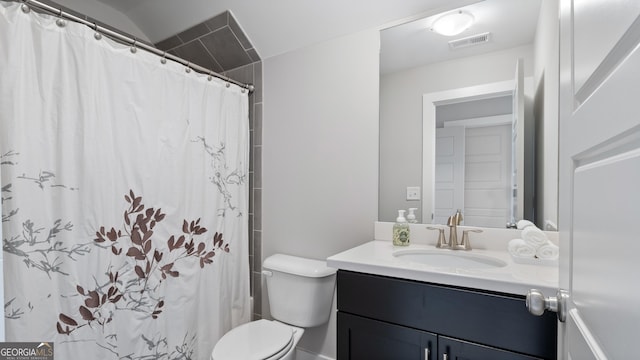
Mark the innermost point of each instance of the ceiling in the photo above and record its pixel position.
(511, 23)
(278, 26)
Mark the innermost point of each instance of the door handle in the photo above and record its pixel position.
(538, 304)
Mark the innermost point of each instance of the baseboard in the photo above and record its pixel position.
(304, 355)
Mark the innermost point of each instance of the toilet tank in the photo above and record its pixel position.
(300, 290)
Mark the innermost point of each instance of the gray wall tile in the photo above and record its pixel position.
(243, 74)
(195, 52)
(257, 293)
(217, 22)
(237, 31)
(257, 167)
(257, 81)
(257, 125)
(193, 32)
(257, 241)
(257, 204)
(252, 103)
(253, 54)
(223, 38)
(169, 43)
(225, 48)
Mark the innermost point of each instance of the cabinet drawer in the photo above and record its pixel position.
(497, 320)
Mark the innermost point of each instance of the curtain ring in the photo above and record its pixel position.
(97, 34)
(210, 77)
(134, 49)
(25, 8)
(163, 60)
(228, 84)
(188, 69)
(60, 21)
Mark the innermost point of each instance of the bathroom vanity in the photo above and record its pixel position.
(391, 308)
(388, 318)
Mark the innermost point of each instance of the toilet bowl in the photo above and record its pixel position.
(312, 282)
(259, 340)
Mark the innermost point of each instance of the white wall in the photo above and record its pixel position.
(401, 115)
(105, 14)
(320, 155)
(546, 78)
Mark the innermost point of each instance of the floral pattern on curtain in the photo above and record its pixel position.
(124, 196)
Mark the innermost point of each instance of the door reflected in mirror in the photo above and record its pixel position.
(473, 171)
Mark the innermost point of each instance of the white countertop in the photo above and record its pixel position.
(376, 257)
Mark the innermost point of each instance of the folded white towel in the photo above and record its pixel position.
(519, 248)
(534, 236)
(548, 251)
(522, 224)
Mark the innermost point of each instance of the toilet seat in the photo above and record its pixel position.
(256, 340)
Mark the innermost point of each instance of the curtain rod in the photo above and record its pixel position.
(131, 41)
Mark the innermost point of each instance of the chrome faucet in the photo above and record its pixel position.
(453, 222)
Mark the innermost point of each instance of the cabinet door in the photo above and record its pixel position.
(361, 338)
(453, 349)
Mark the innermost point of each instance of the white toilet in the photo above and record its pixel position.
(300, 294)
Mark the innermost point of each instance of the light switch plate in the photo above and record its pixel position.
(413, 193)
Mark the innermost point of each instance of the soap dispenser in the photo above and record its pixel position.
(411, 216)
(401, 230)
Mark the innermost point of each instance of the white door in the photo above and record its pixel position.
(449, 177)
(487, 176)
(600, 178)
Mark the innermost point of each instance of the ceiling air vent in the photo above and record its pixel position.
(470, 41)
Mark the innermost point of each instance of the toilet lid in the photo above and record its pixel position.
(257, 340)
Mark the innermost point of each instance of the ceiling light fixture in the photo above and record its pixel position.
(453, 23)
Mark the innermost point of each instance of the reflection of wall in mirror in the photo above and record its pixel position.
(401, 116)
(546, 79)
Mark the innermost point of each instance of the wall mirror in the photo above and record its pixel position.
(428, 83)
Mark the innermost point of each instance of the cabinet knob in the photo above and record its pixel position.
(537, 303)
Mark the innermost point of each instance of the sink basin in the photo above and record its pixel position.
(449, 259)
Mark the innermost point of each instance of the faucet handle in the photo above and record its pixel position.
(442, 242)
(466, 245)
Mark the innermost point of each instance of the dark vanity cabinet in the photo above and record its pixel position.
(394, 319)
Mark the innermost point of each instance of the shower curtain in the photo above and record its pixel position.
(124, 196)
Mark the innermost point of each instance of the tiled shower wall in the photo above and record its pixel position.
(220, 45)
